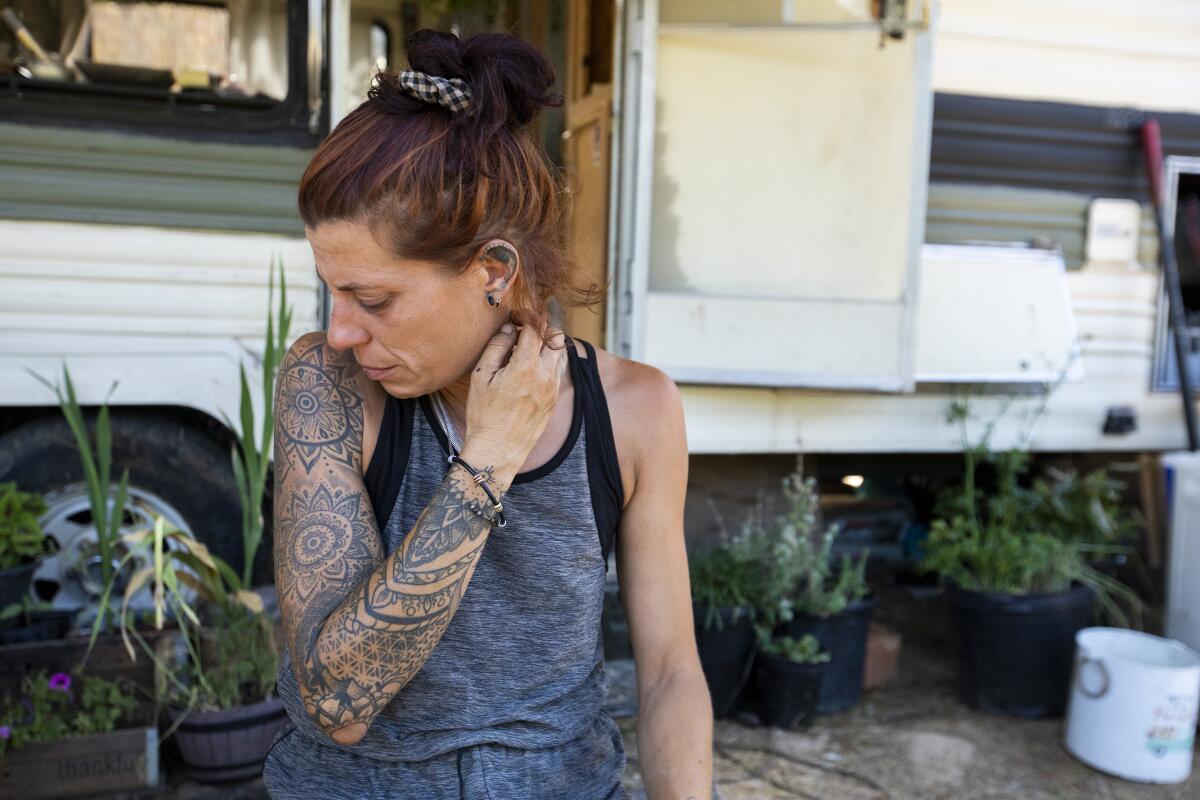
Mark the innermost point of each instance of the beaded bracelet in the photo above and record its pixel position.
(480, 477)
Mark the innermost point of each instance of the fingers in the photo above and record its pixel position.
(555, 349)
(495, 350)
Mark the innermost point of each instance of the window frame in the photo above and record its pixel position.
(286, 122)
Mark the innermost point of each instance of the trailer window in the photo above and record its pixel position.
(134, 62)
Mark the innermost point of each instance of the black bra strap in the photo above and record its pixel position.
(604, 469)
(386, 470)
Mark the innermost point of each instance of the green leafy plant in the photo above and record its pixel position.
(251, 456)
(805, 650)
(821, 585)
(724, 576)
(1002, 537)
(97, 469)
(21, 535)
(1085, 509)
(61, 705)
(778, 567)
(226, 653)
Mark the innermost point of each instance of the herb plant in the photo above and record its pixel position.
(805, 650)
(1085, 509)
(62, 705)
(778, 567)
(725, 576)
(1004, 537)
(21, 536)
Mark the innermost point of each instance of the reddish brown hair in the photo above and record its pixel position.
(435, 185)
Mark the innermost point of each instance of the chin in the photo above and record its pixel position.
(402, 391)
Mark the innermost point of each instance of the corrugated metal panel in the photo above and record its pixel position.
(59, 174)
(960, 213)
(1085, 149)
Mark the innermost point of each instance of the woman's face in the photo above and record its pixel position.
(414, 326)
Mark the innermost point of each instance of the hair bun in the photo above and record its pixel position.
(509, 78)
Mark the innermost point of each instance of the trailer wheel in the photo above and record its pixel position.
(176, 471)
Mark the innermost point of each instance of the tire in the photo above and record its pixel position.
(186, 470)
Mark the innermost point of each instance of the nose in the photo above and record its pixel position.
(343, 332)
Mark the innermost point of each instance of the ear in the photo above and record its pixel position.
(500, 264)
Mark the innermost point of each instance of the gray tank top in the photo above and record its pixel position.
(522, 662)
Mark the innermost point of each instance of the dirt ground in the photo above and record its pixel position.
(909, 740)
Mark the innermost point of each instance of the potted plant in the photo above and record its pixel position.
(820, 595)
(724, 579)
(787, 674)
(1019, 589)
(68, 735)
(217, 677)
(1087, 509)
(21, 541)
(219, 681)
(34, 621)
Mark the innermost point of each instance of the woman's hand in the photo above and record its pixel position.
(510, 404)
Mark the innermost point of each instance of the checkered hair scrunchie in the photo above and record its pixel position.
(451, 93)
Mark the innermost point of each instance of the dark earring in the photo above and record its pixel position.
(492, 300)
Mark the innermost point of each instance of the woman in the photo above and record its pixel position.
(452, 472)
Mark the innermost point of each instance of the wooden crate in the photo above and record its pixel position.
(121, 761)
(108, 660)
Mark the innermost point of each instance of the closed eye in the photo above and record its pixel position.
(374, 308)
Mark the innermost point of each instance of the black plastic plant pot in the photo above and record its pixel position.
(38, 626)
(1015, 652)
(844, 636)
(787, 691)
(726, 653)
(15, 582)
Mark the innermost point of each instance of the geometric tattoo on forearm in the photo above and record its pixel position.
(358, 626)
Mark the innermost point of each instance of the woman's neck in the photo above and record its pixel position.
(454, 397)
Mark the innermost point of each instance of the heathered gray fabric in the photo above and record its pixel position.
(515, 688)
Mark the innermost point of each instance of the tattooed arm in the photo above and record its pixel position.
(359, 625)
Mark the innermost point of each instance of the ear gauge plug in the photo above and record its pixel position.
(506, 255)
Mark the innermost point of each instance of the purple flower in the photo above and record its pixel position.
(60, 682)
(5, 732)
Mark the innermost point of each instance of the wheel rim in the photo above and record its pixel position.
(70, 577)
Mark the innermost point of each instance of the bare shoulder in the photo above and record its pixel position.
(646, 409)
(324, 393)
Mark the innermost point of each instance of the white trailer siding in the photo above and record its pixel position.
(1143, 54)
(168, 314)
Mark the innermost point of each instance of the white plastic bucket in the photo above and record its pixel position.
(1132, 710)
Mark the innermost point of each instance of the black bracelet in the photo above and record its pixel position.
(479, 476)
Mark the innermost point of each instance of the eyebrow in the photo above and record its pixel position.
(345, 287)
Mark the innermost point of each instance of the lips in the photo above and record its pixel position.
(375, 373)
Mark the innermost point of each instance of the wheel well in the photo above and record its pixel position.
(12, 417)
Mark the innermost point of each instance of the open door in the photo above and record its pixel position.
(586, 148)
(772, 199)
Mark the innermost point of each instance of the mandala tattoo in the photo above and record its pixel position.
(359, 625)
(320, 413)
(329, 541)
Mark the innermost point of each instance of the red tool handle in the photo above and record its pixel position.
(1152, 149)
